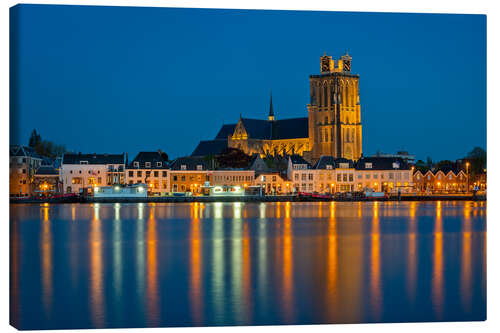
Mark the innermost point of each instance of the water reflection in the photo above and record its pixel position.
(375, 282)
(237, 263)
(437, 275)
(47, 265)
(195, 293)
(96, 267)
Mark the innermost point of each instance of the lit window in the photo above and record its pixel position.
(136, 164)
(368, 165)
(199, 167)
(148, 164)
(183, 167)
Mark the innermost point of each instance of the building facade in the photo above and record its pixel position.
(85, 171)
(445, 180)
(383, 174)
(23, 163)
(189, 174)
(46, 181)
(152, 169)
(332, 127)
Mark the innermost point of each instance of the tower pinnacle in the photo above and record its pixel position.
(270, 117)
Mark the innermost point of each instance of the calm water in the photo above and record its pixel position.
(135, 265)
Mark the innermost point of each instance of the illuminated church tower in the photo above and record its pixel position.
(334, 110)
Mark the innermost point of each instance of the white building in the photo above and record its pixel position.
(85, 171)
(383, 174)
(120, 191)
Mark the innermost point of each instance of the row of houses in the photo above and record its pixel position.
(79, 173)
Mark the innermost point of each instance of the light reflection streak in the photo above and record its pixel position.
(195, 290)
(412, 253)
(47, 265)
(237, 267)
(140, 269)
(218, 265)
(332, 264)
(375, 280)
(288, 300)
(466, 262)
(96, 270)
(152, 278)
(437, 274)
(117, 257)
(262, 258)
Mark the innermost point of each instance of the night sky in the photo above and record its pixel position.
(118, 79)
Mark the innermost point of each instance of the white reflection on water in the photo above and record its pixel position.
(117, 259)
(218, 265)
(47, 264)
(96, 270)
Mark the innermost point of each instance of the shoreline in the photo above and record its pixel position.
(280, 198)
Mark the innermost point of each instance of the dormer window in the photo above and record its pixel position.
(158, 164)
(183, 167)
(136, 164)
(84, 162)
(199, 167)
(148, 164)
(368, 165)
(329, 167)
(395, 165)
(344, 165)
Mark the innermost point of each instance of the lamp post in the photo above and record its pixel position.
(467, 171)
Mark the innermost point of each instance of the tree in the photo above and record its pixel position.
(421, 166)
(477, 159)
(35, 139)
(429, 162)
(233, 158)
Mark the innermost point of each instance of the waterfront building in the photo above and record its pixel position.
(273, 183)
(442, 180)
(300, 174)
(383, 174)
(333, 175)
(23, 162)
(189, 174)
(81, 172)
(151, 168)
(332, 126)
(231, 177)
(46, 180)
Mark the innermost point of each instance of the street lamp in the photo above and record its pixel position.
(467, 171)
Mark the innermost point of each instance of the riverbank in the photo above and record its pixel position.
(248, 198)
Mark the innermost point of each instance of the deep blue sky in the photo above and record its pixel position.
(124, 79)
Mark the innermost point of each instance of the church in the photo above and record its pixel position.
(332, 126)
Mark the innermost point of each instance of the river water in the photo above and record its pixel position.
(194, 264)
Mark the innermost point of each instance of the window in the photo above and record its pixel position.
(297, 176)
(304, 176)
(339, 177)
(148, 164)
(375, 176)
(449, 177)
(183, 178)
(199, 167)
(329, 167)
(76, 180)
(351, 177)
(175, 178)
(84, 162)
(156, 173)
(80, 171)
(131, 173)
(158, 164)
(311, 176)
(136, 164)
(344, 165)
(360, 176)
(24, 170)
(274, 178)
(395, 165)
(24, 159)
(391, 175)
(367, 176)
(139, 173)
(344, 177)
(148, 173)
(99, 180)
(164, 174)
(368, 165)
(183, 167)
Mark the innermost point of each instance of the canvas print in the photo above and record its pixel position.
(208, 167)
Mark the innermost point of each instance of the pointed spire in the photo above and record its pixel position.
(270, 117)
